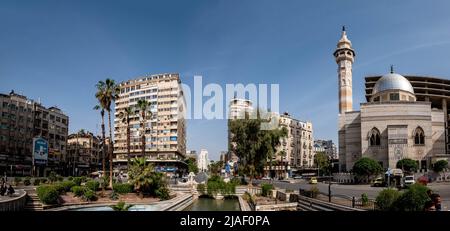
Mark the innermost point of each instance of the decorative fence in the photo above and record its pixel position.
(353, 202)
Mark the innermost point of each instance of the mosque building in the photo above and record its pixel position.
(399, 120)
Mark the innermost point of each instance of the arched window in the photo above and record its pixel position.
(419, 136)
(374, 137)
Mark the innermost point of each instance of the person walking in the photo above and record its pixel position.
(436, 198)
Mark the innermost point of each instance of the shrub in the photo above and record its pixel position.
(48, 194)
(121, 206)
(27, 181)
(163, 193)
(70, 178)
(44, 180)
(89, 195)
(78, 190)
(412, 200)
(123, 188)
(83, 179)
(52, 177)
(17, 180)
(60, 178)
(201, 188)
(386, 198)
(364, 199)
(266, 189)
(114, 196)
(77, 180)
(59, 188)
(93, 185)
(407, 164)
(36, 182)
(313, 192)
(67, 185)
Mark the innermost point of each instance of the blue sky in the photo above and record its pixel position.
(58, 50)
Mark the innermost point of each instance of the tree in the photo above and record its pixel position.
(107, 93)
(252, 144)
(146, 180)
(412, 200)
(323, 163)
(102, 114)
(407, 165)
(386, 199)
(216, 167)
(440, 165)
(367, 167)
(125, 116)
(143, 107)
(192, 165)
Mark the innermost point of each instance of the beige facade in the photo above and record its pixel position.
(22, 119)
(391, 126)
(84, 153)
(298, 145)
(165, 131)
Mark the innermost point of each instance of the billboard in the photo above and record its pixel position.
(40, 151)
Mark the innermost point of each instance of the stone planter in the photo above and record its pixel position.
(274, 193)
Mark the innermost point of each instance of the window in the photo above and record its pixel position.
(394, 96)
(374, 137)
(376, 99)
(419, 136)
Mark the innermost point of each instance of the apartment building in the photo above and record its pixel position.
(165, 126)
(84, 153)
(22, 120)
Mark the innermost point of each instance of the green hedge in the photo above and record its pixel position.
(89, 195)
(27, 181)
(123, 188)
(67, 185)
(77, 180)
(266, 189)
(48, 194)
(78, 191)
(93, 185)
(36, 182)
(163, 193)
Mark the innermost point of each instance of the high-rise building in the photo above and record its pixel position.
(84, 153)
(327, 147)
(165, 128)
(203, 161)
(22, 120)
(298, 145)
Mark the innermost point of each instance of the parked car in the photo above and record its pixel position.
(298, 177)
(408, 180)
(313, 180)
(379, 182)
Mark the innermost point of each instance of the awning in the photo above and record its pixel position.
(394, 172)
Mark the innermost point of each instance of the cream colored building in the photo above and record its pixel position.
(84, 153)
(165, 131)
(391, 126)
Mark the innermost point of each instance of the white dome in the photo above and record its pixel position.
(392, 81)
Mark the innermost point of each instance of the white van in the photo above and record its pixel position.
(408, 180)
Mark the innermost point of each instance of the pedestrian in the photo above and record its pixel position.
(10, 190)
(429, 206)
(436, 198)
(3, 190)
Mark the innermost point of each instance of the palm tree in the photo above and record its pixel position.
(125, 116)
(143, 106)
(102, 113)
(107, 93)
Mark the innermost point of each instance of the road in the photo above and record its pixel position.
(357, 190)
